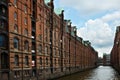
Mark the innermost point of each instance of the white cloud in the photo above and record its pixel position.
(100, 32)
(91, 6)
(111, 17)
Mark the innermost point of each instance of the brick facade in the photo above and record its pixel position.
(37, 43)
(115, 52)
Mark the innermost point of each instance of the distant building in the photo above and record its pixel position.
(106, 59)
(100, 61)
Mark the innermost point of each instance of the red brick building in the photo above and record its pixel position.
(115, 52)
(36, 43)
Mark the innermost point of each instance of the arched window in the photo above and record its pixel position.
(26, 45)
(4, 61)
(16, 43)
(40, 61)
(3, 41)
(16, 60)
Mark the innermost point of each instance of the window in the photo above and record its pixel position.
(55, 51)
(16, 58)
(40, 61)
(16, 43)
(25, 8)
(55, 61)
(3, 10)
(40, 9)
(26, 32)
(46, 34)
(15, 15)
(55, 35)
(15, 2)
(40, 27)
(46, 50)
(25, 21)
(4, 61)
(46, 61)
(26, 60)
(40, 48)
(40, 36)
(26, 45)
(3, 41)
(16, 28)
(2, 24)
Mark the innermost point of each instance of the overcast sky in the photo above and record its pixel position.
(96, 20)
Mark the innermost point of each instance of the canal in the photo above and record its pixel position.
(100, 73)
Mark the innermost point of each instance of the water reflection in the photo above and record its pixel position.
(100, 73)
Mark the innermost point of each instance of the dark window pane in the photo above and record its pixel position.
(16, 43)
(2, 41)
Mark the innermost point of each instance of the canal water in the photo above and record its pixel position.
(100, 73)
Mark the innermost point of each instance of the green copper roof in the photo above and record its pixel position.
(58, 11)
(46, 1)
